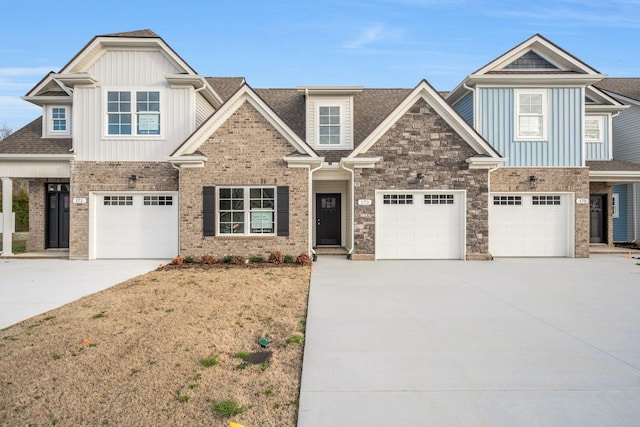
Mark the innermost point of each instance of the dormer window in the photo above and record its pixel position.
(329, 125)
(58, 121)
(122, 119)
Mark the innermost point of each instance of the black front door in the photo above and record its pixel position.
(328, 219)
(598, 219)
(57, 215)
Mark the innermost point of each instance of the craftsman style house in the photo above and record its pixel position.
(138, 156)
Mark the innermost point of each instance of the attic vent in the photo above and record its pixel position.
(531, 61)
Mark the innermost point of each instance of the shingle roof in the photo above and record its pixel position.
(28, 140)
(628, 87)
(225, 87)
(613, 165)
(138, 33)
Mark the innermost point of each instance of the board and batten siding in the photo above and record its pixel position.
(563, 147)
(131, 70)
(464, 107)
(626, 135)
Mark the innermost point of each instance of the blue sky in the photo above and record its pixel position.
(377, 43)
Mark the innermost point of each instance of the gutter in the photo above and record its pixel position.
(353, 233)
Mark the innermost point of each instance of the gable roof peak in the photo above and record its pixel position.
(136, 33)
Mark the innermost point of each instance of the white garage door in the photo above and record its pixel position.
(420, 225)
(136, 225)
(523, 225)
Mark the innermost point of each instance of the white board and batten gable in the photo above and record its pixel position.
(125, 97)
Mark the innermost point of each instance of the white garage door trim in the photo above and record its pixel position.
(167, 221)
(420, 224)
(532, 224)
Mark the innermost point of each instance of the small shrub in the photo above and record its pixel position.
(208, 259)
(209, 361)
(276, 257)
(228, 408)
(243, 355)
(227, 259)
(179, 260)
(289, 259)
(99, 315)
(303, 259)
(238, 260)
(188, 259)
(256, 258)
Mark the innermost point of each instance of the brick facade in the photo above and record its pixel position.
(573, 180)
(422, 142)
(110, 177)
(37, 215)
(245, 150)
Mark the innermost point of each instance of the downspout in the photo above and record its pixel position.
(475, 109)
(311, 250)
(353, 234)
(179, 204)
(489, 203)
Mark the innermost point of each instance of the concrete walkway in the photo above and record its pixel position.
(29, 287)
(511, 342)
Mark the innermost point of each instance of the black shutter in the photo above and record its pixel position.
(283, 211)
(208, 211)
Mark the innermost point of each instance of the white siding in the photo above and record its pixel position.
(34, 169)
(346, 108)
(204, 110)
(131, 70)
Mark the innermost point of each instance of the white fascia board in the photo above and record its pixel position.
(42, 100)
(187, 161)
(507, 79)
(614, 176)
(622, 98)
(597, 108)
(423, 90)
(360, 162)
(601, 96)
(458, 92)
(199, 83)
(303, 162)
(231, 106)
(73, 79)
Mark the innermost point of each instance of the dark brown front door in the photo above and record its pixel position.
(598, 218)
(57, 215)
(328, 219)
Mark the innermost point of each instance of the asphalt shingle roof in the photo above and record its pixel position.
(613, 165)
(629, 87)
(28, 141)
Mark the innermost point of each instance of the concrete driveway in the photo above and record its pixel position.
(511, 342)
(29, 287)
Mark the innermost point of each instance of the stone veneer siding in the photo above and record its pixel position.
(245, 151)
(607, 189)
(422, 141)
(110, 176)
(572, 180)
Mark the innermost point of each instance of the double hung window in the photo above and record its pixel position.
(133, 113)
(59, 120)
(247, 210)
(531, 115)
(329, 125)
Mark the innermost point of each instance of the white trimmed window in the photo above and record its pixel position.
(133, 113)
(594, 129)
(329, 129)
(247, 210)
(531, 114)
(59, 120)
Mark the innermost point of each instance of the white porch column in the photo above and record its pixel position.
(7, 210)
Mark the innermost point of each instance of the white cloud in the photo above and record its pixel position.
(372, 34)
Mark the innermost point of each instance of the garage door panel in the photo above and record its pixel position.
(427, 226)
(530, 225)
(137, 227)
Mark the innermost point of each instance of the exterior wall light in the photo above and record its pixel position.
(132, 181)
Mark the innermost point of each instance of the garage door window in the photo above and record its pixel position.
(158, 200)
(507, 200)
(438, 199)
(397, 199)
(118, 200)
(545, 200)
(247, 210)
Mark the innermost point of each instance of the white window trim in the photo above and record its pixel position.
(58, 133)
(615, 204)
(343, 142)
(545, 114)
(134, 127)
(247, 211)
(600, 120)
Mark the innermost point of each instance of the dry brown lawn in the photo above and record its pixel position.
(132, 355)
